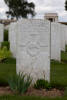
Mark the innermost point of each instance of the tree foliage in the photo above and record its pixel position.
(66, 5)
(20, 8)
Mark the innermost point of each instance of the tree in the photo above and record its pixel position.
(66, 5)
(20, 8)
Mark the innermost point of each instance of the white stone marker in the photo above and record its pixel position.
(55, 42)
(62, 35)
(12, 38)
(65, 34)
(33, 48)
(1, 33)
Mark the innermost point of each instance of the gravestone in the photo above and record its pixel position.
(12, 38)
(55, 41)
(33, 48)
(65, 34)
(62, 35)
(1, 33)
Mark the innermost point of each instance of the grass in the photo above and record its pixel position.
(6, 69)
(59, 73)
(30, 98)
(64, 57)
(66, 48)
(58, 77)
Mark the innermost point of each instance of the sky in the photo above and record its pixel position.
(41, 7)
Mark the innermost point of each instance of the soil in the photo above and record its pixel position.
(34, 92)
(5, 91)
(48, 93)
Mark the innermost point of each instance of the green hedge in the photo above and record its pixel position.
(5, 35)
(5, 44)
(4, 54)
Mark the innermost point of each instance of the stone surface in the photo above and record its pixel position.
(1, 33)
(12, 38)
(62, 35)
(33, 48)
(55, 41)
(65, 34)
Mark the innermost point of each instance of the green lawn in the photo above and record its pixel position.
(58, 77)
(59, 73)
(7, 69)
(64, 56)
(59, 70)
(30, 98)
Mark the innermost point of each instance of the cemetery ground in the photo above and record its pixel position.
(58, 79)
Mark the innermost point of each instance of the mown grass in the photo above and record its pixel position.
(58, 77)
(59, 73)
(7, 69)
(30, 98)
(64, 57)
(59, 70)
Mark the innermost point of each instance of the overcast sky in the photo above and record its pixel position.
(42, 7)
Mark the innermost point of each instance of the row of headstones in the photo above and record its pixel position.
(58, 36)
(33, 43)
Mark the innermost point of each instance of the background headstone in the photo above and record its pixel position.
(55, 41)
(65, 34)
(62, 35)
(1, 33)
(12, 38)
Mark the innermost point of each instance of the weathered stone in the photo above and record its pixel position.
(33, 48)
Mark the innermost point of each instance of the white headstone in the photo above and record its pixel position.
(33, 48)
(12, 38)
(55, 42)
(62, 35)
(65, 34)
(1, 33)
(6, 27)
